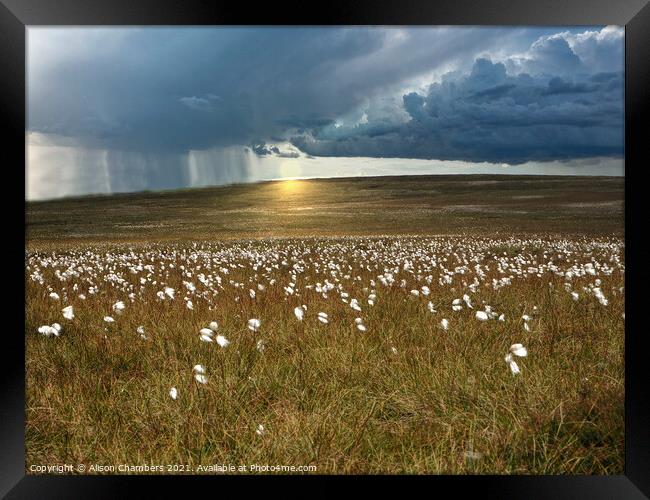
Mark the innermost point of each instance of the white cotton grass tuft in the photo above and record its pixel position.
(515, 350)
(68, 312)
(206, 335)
(214, 326)
(223, 341)
(109, 319)
(199, 374)
(173, 393)
(206, 338)
(444, 323)
(323, 318)
(140, 330)
(514, 367)
(482, 316)
(169, 292)
(261, 345)
(519, 350)
(254, 324)
(299, 312)
(260, 431)
(600, 296)
(54, 296)
(49, 330)
(360, 326)
(118, 307)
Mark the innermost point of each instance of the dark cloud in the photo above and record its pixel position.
(545, 93)
(207, 103)
(495, 92)
(288, 154)
(490, 115)
(414, 105)
(305, 123)
(175, 89)
(559, 86)
(260, 149)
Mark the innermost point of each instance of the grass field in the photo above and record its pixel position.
(424, 286)
(423, 205)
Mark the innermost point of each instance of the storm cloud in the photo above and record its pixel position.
(155, 108)
(194, 88)
(558, 110)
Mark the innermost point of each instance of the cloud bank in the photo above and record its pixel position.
(546, 104)
(154, 108)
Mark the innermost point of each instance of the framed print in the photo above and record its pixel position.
(399, 240)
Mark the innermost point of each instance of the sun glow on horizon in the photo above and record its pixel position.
(290, 170)
(292, 186)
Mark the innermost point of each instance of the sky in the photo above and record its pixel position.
(120, 109)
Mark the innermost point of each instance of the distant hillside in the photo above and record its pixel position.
(485, 204)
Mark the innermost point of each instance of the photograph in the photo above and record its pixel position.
(325, 250)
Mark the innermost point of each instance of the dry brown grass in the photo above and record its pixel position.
(330, 395)
(408, 205)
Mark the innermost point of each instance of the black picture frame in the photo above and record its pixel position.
(16, 15)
